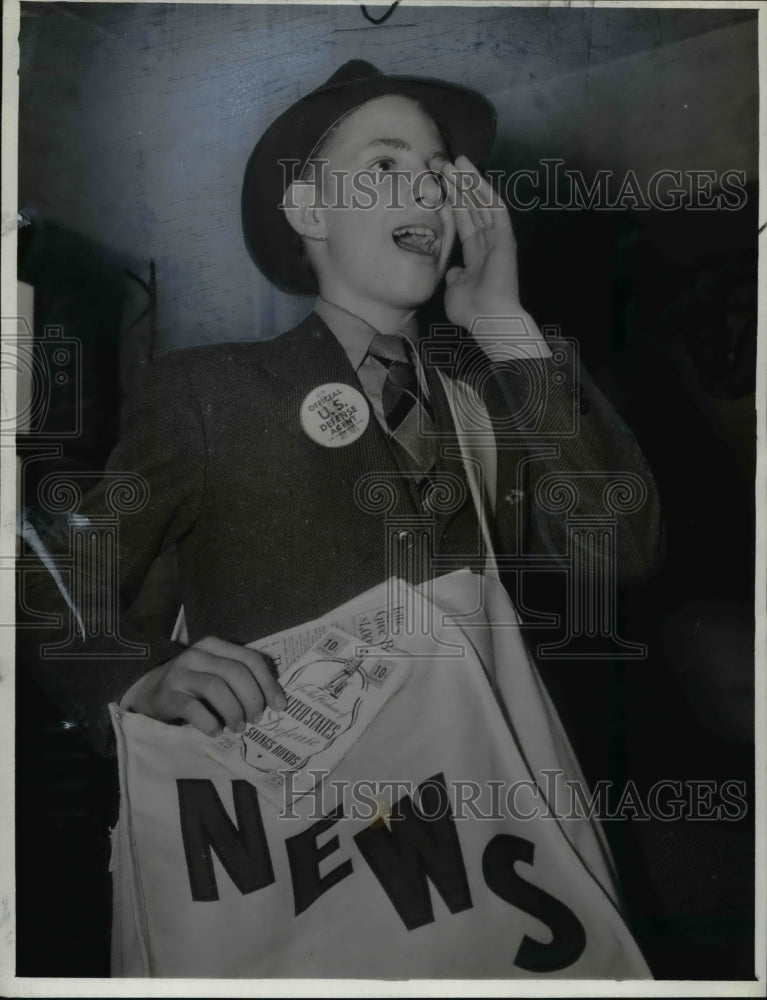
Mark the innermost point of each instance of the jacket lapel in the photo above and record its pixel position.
(449, 460)
(322, 361)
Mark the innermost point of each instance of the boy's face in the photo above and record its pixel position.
(396, 251)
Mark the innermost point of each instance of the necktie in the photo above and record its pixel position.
(407, 412)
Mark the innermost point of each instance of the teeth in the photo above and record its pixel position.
(415, 230)
(416, 239)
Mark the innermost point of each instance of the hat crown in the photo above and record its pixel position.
(354, 69)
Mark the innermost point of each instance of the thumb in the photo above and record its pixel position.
(452, 274)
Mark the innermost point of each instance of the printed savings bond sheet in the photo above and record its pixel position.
(334, 691)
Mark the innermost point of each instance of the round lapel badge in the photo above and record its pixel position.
(335, 414)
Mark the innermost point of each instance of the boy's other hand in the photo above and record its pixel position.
(487, 284)
(210, 681)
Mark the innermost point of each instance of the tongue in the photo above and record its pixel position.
(414, 243)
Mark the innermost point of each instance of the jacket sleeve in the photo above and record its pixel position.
(86, 553)
(573, 484)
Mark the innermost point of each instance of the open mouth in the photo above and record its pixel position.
(417, 239)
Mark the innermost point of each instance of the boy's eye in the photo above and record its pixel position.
(383, 164)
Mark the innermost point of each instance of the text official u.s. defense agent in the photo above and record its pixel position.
(256, 456)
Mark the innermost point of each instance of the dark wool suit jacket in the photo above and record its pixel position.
(272, 529)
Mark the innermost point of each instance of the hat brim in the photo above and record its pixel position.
(465, 117)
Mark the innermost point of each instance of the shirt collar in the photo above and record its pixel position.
(354, 333)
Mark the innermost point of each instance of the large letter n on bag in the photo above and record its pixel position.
(206, 827)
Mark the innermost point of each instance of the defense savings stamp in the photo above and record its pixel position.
(334, 414)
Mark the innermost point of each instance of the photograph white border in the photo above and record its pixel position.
(10, 985)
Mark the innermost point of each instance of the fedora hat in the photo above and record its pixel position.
(465, 118)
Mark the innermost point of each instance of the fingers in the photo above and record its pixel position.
(488, 199)
(467, 221)
(256, 668)
(479, 191)
(475, 210)
(184, 706)
(495, 215)
(210, 682)
(240, 683)
(462, 194)
(209, 692)
(475, 195)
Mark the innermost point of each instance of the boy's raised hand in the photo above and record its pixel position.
(487, 284)
(211, 680)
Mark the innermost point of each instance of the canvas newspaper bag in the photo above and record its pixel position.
(430, 844)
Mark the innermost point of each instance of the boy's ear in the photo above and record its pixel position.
(303, 211)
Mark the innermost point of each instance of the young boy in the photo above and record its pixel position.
(263, 461)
